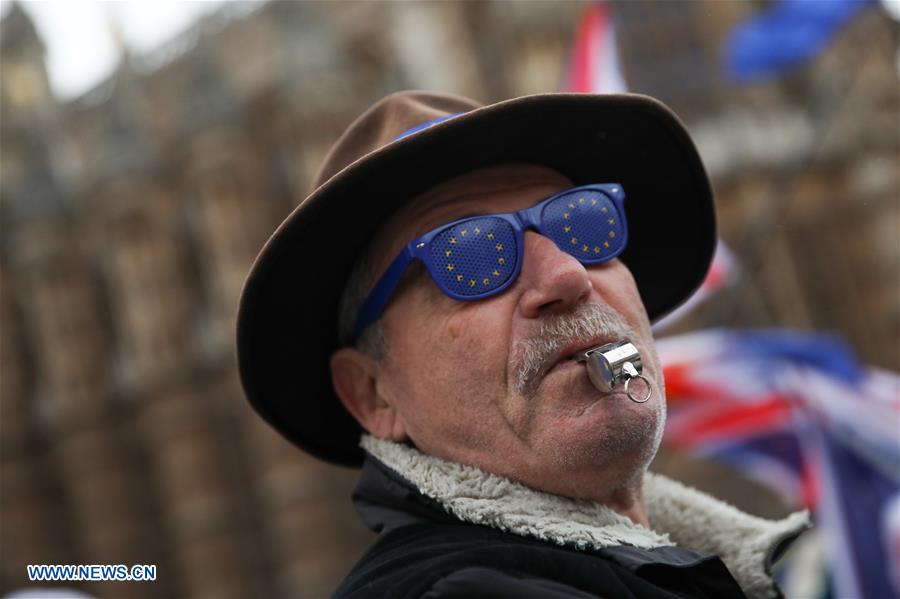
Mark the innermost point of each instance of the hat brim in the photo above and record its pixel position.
(287, 319)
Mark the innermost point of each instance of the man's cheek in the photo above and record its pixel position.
(456, 325)
(477, 342)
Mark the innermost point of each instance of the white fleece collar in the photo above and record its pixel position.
(679, 515)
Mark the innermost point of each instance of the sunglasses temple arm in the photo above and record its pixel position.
(380, 295)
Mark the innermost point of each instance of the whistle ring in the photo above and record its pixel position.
(631, 396)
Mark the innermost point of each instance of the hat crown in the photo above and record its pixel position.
(384, 122)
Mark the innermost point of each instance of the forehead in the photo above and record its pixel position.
(502, 188)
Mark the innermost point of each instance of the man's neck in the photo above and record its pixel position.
(625, 496)
(629, 503)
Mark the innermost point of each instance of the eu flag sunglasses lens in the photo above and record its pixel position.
(585, 225)
(474, 257)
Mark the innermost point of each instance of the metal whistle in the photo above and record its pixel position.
(615, 364)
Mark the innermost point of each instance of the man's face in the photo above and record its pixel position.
(487, 382)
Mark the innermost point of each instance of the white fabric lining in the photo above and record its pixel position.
(678, 514)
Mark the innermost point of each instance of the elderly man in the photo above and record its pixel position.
(479, 283)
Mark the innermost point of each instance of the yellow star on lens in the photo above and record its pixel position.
(463, 233)
(490, 235)
(453, 240)
(499, 247)
(611, 221)
(574, 240)
(486, 281)
(604, 210)
(581, 200)
(501, 261)
(447, 253)
(566, 215)
(606, 244)
(477, 230)
(594, 202)
(612, 233)
(567, 228)
(459, 277)
(596, 250)
(496, 273)
(584, 248)
(450, 267)
(471, 282)
(571, 205)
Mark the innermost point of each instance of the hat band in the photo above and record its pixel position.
(426, 125)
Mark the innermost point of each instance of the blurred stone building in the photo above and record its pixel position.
(131, 215)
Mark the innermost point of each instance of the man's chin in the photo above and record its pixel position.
(602, 428)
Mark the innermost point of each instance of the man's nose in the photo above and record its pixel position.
(554, 281)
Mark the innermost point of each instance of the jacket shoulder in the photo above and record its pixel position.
(488, 583)
(448, 561)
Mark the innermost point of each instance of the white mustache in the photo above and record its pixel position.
(533, 357)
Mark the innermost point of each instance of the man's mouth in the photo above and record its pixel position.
(566, 357)
(558, 338)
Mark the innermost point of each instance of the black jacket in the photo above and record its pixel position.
(424, 551)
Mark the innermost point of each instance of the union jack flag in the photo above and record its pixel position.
(797, 412)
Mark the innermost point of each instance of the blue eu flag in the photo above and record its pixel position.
(785, 34)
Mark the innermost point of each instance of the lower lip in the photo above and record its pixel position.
(565, 365)
(570, 372)
(572, 368)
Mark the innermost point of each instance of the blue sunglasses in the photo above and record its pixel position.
(477, 257)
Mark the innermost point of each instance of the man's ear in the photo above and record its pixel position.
(354, 375)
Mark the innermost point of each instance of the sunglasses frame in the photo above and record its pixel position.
(520, 221)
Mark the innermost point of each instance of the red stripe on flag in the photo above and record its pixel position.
(810, 484)
(682, 388)
(736, 420)
(588, 37)
(716, 277)
(580, 53)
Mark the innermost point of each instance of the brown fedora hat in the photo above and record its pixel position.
(287, 319)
